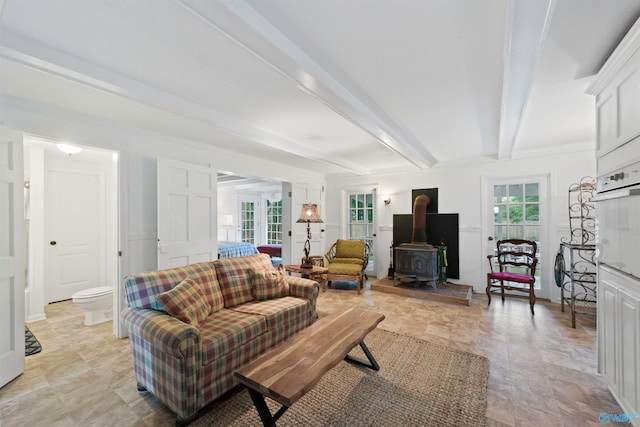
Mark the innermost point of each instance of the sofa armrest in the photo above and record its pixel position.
(161, 330)
(303, 288)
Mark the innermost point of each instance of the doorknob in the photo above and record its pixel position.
(53, 243)
(490, 238)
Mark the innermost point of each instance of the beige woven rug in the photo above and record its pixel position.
(419, 384)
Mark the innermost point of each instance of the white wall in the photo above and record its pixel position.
(460, 191)
(137, 178)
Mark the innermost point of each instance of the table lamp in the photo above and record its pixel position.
(309, 214)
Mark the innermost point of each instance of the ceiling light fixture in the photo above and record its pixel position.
(69, 149)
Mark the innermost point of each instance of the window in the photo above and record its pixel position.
(516, 214)
(247, 221)
(361, 220)
(274, 222)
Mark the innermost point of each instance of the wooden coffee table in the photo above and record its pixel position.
(315, 272)
(288, 371)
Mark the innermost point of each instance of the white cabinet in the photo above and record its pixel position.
(617, 91)
(617, 87)
(617, 108)
(619, 336)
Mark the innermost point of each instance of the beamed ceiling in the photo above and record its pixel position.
(357, 86)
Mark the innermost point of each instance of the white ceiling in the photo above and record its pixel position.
(358, 86)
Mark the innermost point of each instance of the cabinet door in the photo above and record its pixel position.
(606, 122)
(607, 298)
(629, 358)
(618, 108)
(628, 101)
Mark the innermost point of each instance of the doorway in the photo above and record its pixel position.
(250, 219)
(515, 208)
(71, 213)
(361, 221)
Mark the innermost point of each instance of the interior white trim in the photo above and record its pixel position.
(291, 62)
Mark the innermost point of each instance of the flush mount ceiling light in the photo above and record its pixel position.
(69, 149)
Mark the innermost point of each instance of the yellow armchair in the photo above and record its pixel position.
(347, 261)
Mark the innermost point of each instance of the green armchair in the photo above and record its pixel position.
(347, 261)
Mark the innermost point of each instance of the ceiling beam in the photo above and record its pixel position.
(58, 64)
(526, 31)
(275, 49)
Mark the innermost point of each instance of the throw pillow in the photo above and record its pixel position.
(186, 302)
(269, 284)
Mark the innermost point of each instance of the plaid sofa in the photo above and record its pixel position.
(187, 366)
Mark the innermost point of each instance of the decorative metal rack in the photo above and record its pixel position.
(577, 279)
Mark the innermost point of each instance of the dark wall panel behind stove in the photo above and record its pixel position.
(440, 228)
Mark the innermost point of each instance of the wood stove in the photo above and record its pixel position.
(418, 259)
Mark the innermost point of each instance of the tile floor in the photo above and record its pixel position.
(542, 372)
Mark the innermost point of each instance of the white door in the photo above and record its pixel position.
(11, 256)
(75, 227)
(516, 209)
(300, 194)
(361, 221)
(249, 225)
(186, 213)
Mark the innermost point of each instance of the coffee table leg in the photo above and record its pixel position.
(373, 364)
(268, 420)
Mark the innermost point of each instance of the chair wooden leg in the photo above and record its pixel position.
(488, 290)
(502, 290)
(532, 298)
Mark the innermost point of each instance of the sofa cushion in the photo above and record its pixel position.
(349, 248)
(286, 312)
(227, 330)
(268, 284)
(186, 302)
(142, 289)
(234, 277)
(213, 294)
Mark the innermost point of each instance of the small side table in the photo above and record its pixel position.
(314, 273)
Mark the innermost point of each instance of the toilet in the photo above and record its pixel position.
(97, 303)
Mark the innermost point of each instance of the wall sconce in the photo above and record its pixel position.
(386, 200)
(309, 214)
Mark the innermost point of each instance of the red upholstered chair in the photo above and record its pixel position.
(517, 262)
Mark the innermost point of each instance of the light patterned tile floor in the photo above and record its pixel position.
(542, 372)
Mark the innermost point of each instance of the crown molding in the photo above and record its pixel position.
(620, 56)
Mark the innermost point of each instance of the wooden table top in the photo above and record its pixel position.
(291, 369)
(295, 268)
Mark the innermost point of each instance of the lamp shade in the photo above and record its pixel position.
(227, 220)
(309, 213)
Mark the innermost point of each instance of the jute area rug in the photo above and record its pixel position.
(419, 384)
